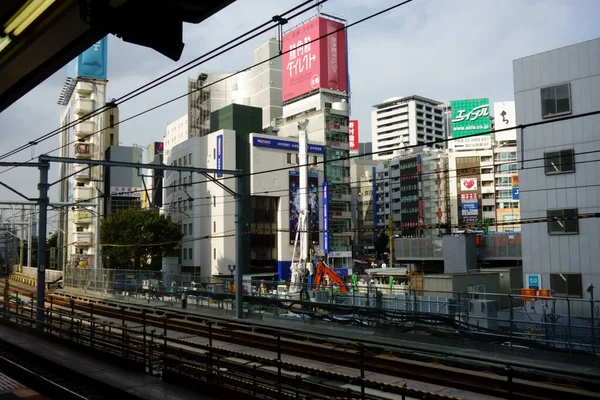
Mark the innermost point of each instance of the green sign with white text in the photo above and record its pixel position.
(470, 117)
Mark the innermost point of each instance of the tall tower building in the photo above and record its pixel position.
(208, 92)
(83, 93)
(315, 87)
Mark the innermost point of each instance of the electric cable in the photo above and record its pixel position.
(378, 181)
(397, 5)
(523, 126)
(386, 229)
(277, 20)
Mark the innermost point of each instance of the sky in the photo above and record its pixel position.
(440, 49)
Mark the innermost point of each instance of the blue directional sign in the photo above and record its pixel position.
(534, 281)
(515, 193)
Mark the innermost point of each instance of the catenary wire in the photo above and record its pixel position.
(388, 9)
(168, 76)
(377, 181)
(527, 221)
(523, 126)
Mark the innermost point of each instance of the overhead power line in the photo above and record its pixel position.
(230, 45)
(139, 114)
(378, 229)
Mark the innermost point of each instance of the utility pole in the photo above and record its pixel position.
(22, 242)
(30, 241)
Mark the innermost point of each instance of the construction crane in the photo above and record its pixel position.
(301, 258)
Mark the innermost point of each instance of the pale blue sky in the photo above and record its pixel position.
(441, 49)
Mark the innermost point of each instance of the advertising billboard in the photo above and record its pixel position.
(313, 204)
(309, 64)
(326, 217)
(219, 154)
(467, 184)
(92, 63)
(159, 148)
(353, 134)
(470, 117)
(285, 145)
(505, 117)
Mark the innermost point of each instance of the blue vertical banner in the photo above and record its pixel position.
(219, 154)
(325, 217)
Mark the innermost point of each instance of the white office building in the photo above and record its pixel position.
(405, 121)
(559, 168)
(206, 212)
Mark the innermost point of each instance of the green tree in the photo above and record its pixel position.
(132, 238)
(381, 245)
(52, 240)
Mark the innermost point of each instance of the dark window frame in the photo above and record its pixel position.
(562, 227)
(550, 105)
(565, 167)
(570, 286)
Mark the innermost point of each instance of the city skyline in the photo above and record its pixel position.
(435, 69)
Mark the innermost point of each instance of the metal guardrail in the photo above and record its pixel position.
(571, 324)
(500, 246)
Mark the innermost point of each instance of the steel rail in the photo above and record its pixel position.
(403, 367)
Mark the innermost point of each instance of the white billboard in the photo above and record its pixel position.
(467, 184)
(471, 143)
(505, 117)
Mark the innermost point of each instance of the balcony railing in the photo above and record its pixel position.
(84, 238)
(84, 129)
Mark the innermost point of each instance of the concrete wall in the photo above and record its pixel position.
(460, 253)
(544, 254)
(51, 274)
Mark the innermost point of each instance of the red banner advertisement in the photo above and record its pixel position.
(310, 64)
(353, 134)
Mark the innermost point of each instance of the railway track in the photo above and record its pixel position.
(54, 380)
(351, 355)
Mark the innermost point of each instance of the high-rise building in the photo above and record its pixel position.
(405, 121)
(412, 192)
(559, 170)
(314, 85)
(362, 172)
(83, 93)
(482, 166)
(123, 187)
(208, 92)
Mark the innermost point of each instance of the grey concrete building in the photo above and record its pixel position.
(558, 167)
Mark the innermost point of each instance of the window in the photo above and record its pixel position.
(214, 201)
(556, 100)
(190, 230)
(559, 162)
(214, 226)
(564, 226)
(566, 285)
(214, 253)
(190, 254)
(185, 254)
(289, 158)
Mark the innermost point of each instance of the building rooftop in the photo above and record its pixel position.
(392, 100)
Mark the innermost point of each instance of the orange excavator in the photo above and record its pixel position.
(322, 270)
